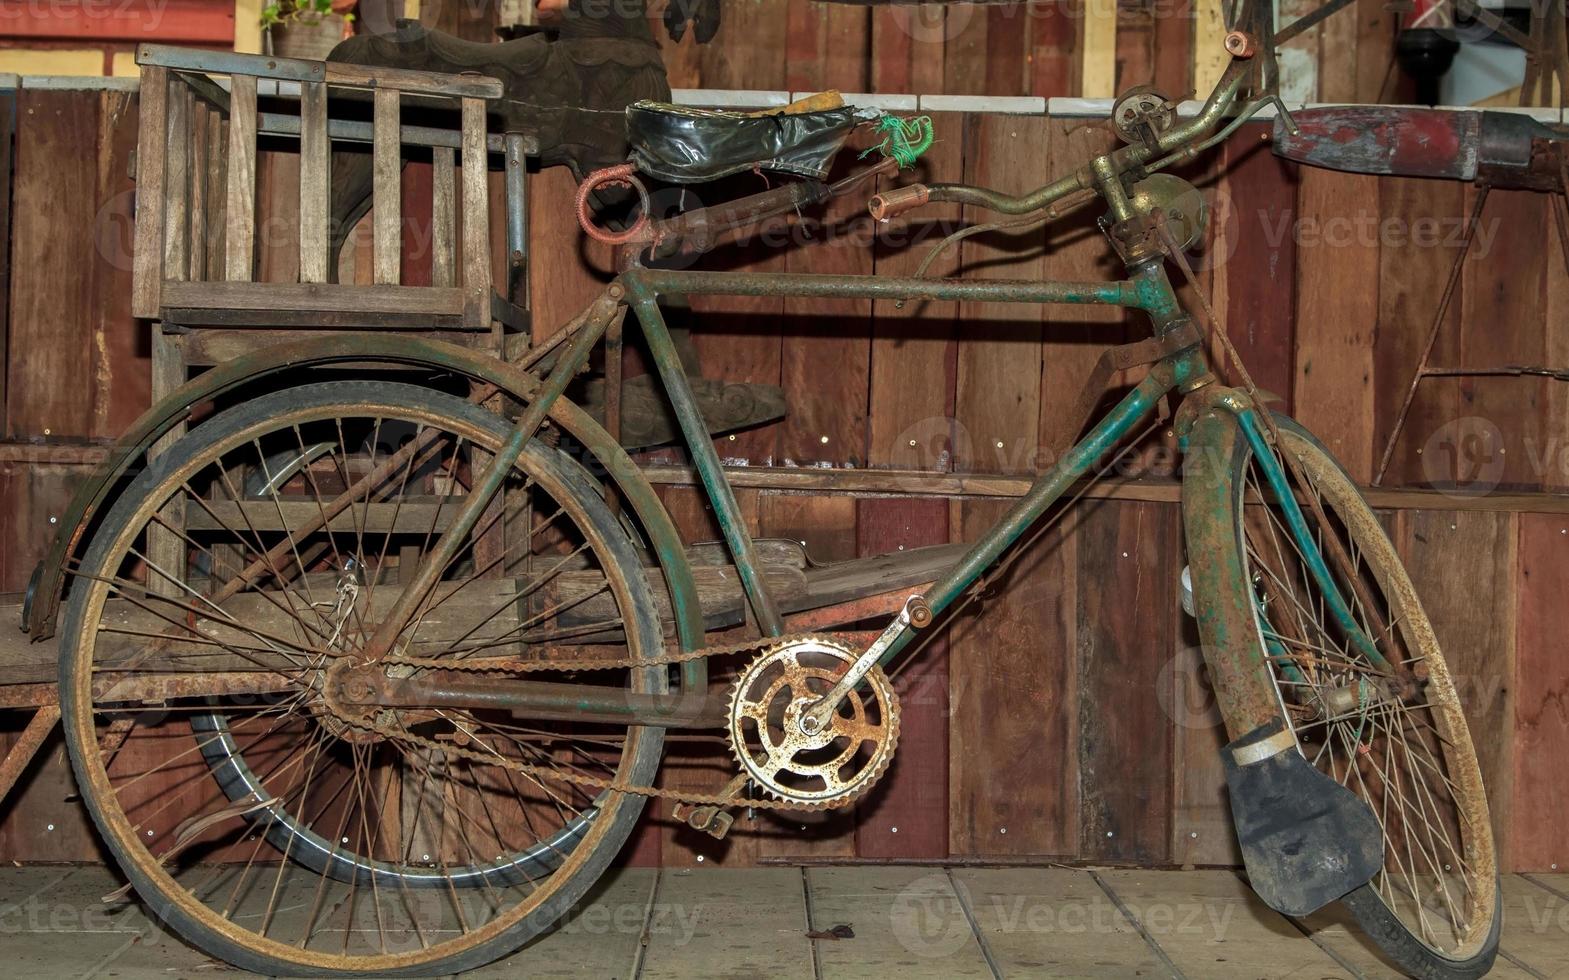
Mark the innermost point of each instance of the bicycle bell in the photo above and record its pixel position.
(1184, 207)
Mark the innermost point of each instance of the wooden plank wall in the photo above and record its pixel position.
(1028, 48)
(1049, 722)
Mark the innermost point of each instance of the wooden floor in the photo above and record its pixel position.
(908, 923)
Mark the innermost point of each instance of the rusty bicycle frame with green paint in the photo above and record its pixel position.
(1212, 418)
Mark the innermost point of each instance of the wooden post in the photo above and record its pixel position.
(240, 246)
(476, 218)
(386, 206)
(217, 190)
(147, 277)
(315, 176)
(177, 184)
(1099, 66)
(203, 117)
(165, 548)
(443, 217)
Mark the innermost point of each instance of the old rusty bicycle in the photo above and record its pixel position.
(404, 651)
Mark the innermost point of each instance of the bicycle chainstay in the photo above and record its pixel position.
(514, 666)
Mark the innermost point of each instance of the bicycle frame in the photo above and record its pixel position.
(1147, 289)
(1184, 369)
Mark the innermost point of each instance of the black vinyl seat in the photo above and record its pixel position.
(681, 144)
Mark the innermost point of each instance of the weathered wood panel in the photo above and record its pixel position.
(1127, 584)
(1464, 566)
(999, 369)
(1201, 830)
(52, 304)
(1502, 323)
(825, 354)
(1541, 685)
(914, 349)
(1413, 270)
(907, 815)
(1013, 690)
(1073, 336)
(1337, 309)
(1253, 259)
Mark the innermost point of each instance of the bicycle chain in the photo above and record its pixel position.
(536, 772)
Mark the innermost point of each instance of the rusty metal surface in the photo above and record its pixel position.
(26, 746)
(371, 687)
(771, 702)
(1380, 140)
(854, 610)
(1502, 149)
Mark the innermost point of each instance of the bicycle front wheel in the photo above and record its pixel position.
(260, 550)
(1387, 724)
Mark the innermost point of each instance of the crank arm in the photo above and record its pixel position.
(915, 615)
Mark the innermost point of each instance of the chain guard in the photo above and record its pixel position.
(370, 723)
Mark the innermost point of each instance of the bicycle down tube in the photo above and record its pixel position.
(1147, 290)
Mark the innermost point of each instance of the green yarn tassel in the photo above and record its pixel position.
(903, 139)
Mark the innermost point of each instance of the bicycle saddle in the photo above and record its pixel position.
(685, 145)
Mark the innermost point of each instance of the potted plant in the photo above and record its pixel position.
(306, 28)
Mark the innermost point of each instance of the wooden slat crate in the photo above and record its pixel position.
(196, 235)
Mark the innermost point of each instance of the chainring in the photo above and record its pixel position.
(830, 767)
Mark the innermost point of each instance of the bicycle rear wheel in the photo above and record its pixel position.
(1394, 734)
(254, 554)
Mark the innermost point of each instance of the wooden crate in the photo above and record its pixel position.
(196, 235)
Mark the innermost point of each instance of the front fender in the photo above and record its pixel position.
(1223, 604)
(47, 588)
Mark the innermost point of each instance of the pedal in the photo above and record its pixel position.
(711, 820)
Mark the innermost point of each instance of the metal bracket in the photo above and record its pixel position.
(711, 820)
(1255, 752)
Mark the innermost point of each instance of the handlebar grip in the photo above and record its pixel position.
(898, 201)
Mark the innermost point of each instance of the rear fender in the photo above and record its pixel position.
(47, 587)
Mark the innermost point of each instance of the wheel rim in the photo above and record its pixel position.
(1396, 737)
(316, 844)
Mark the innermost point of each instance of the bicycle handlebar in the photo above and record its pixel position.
(1181, 141)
